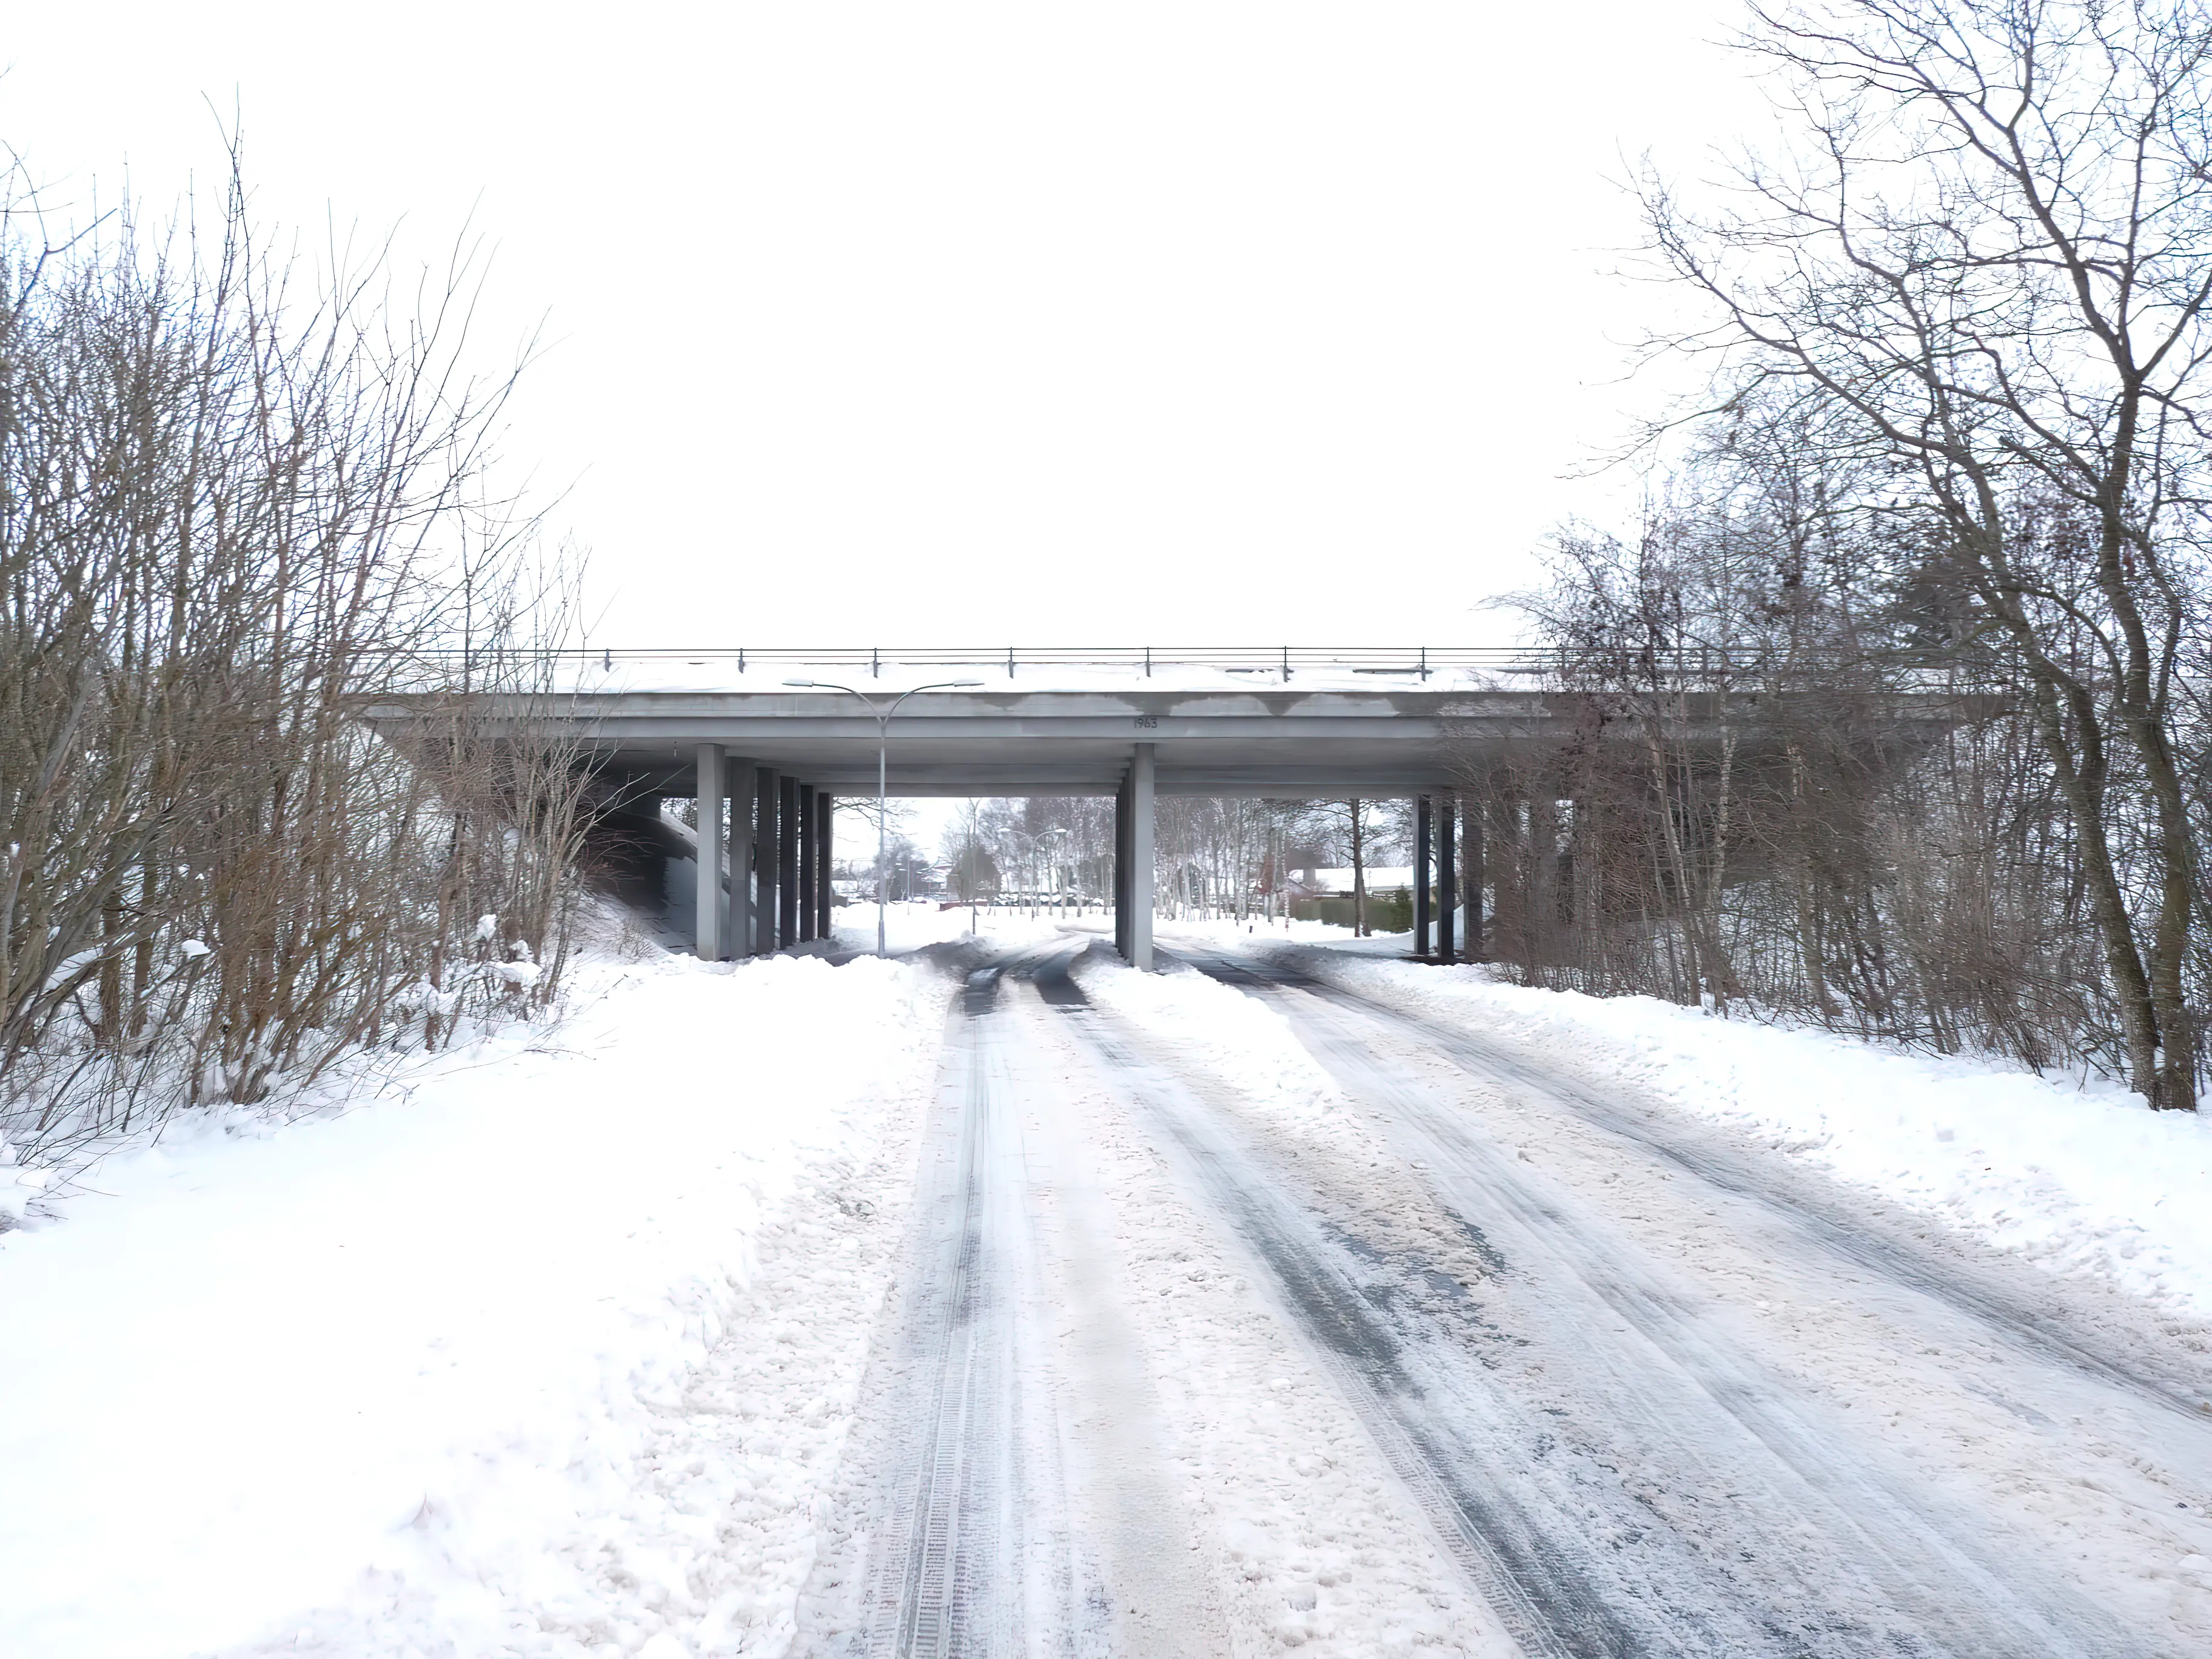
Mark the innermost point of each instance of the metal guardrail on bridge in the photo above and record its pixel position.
(1680, 664)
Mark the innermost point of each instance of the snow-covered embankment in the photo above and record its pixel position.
(494, 1362)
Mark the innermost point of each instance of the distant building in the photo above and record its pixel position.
(1325, 895)
(1337, 884)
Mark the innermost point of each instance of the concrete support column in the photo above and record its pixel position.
(789, 836)
(1121, 883)
(825, 890)
(810, 869)
(767, 859)
(708, 920)
(1141, 860)
(1447, 886)
(1471, 873)
(1423, 863)
(740, 942)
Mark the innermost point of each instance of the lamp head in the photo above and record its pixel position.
(803, 686)
(955, 684)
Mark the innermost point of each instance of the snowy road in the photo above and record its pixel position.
(1446, 1355)
(979, 1528)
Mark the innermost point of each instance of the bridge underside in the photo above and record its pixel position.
(764, 764)
(772, 762)
(670, 776)
(1064, 744)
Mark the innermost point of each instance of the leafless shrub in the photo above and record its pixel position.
(1981, 272)
(1776, 780)
(235, 518)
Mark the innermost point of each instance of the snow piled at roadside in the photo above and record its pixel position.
(2081, 1181)
(408, 1379)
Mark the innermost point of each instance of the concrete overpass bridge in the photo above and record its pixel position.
(765, 742)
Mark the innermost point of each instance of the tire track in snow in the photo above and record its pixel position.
(1780, 1192)
(1534, 1585)
(1747, 1535)
(975, 1553)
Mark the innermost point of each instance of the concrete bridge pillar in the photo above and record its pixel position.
(809, 871)
(737, 941)
(707, 919)
(1470, 878)
(1424, 861)
(825, 892)
(1140, 859)
(1447, 885)
(767, 859)
(789, 835)
(1121, 867)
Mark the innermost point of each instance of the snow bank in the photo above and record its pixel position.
(410, 1366)
(2081, 1180)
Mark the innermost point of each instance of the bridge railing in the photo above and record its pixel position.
(1532, 666)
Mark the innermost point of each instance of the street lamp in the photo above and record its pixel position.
(1053, 868)
(883, 750)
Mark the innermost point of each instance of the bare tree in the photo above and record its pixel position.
(1772, 783)
(1986, 273)
(1352, 823)
(240, 514)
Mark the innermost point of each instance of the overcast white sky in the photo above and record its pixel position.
(959, 323)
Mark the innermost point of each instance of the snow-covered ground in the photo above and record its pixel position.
(2082, 1179)
(1695, 1351)
(911, 926)
(549, 1346)
(607, 1337)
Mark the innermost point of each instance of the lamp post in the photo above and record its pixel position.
(1050, 837)
(883, 717)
